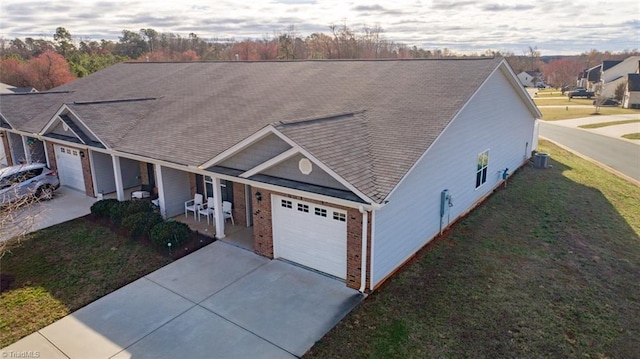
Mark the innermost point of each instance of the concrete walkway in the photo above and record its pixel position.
(615, 131)
(219, 302)
(67, 204)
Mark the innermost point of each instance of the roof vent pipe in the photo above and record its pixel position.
(237, 57)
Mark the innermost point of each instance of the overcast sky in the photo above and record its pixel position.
(554, 26)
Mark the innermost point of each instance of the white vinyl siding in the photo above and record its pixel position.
(495, 118)
(3, 156)
(310, 234)
(176, 190)
(103, 172)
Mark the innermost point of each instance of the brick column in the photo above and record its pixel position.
(262, 223)
(86, 172)
(239, 204)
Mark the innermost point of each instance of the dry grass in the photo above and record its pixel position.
(547, 268)
(62, 268)
(554, 114)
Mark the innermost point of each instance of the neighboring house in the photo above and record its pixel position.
(614, 74)
(631, 98)
(530, 79)
(346, 167)
(4, 88)
(590, 78)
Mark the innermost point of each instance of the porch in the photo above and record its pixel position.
(238, 235)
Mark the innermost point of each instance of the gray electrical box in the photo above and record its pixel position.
(541, 160)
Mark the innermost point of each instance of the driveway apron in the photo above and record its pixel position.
(219, 302)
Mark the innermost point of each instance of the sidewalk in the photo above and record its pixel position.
(615, 131)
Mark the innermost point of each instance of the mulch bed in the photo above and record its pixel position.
(196, 239)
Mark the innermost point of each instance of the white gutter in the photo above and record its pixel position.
(363, 254)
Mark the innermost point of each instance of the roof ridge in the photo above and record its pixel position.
(115, 101)
(310, 120)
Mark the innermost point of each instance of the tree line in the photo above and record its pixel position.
(44, 64)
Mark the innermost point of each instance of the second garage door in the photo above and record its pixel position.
(312, 235)
(69, 167)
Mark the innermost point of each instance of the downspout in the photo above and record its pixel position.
(363, 254)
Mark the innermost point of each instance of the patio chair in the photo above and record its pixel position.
(226, 211)
(209, 210)
(193, 205)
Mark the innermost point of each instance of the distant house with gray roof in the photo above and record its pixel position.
(346, 167)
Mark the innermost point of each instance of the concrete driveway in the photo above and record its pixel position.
(66, 205)
(220, 302)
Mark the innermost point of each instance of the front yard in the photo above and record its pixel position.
(60, 269)
(563, 113)
(546, 268)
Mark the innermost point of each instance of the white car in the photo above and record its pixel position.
(18, 182)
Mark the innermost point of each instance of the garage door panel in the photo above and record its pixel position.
(69, 167)
(307, 238)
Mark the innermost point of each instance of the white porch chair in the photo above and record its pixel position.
(209, 210)
(193, 205)
(226, 211)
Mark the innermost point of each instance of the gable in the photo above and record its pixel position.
(290, 169)
(66, 126)
(259, 152)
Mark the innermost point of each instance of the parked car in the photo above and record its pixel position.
(607, 102)
(581, 92)
(17, 182)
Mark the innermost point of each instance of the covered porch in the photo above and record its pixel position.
(236, 234)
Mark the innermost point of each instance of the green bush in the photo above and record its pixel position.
(117, 211)
(137, 207)
(102, 207)
(173, 232)
(141, 223)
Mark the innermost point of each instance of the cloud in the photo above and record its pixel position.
(500, 7)
(451, 5)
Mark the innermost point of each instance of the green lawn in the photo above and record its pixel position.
(632, 136)
(551, 93)
(562, 101)
(612, 123)
(547, 268)
(60, 269)
(554, 114)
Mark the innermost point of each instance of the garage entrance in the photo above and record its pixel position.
(69, 167)
(310, 234)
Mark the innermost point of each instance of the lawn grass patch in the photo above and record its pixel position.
(547, 268)
(550, 93)
(605, 124)
(62, 268)
(562, 101)
(554, 113)
(632, 136)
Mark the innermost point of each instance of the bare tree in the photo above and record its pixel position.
(17, 219)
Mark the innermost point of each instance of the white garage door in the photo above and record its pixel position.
(312, 235)
(69, 167)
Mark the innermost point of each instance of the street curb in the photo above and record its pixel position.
(601, 165)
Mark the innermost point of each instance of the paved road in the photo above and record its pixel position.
(620, 155)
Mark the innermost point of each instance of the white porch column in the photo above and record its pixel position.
(160, 185)
(27, 150)
(117, 174)
(219, 216)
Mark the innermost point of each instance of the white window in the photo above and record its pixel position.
(321, 212)
(339, 216)
(286, 204)
(481, 173)
(303, 208)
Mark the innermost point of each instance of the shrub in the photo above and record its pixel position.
(137, 207)
(172, 232)
(141, 223)
(102, 207)
(117, 211)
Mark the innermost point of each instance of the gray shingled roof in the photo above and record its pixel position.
(380, 115)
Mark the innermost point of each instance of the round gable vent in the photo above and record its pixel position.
(305, 166)
(65, 126)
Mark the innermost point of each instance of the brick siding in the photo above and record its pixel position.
(239, 204)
